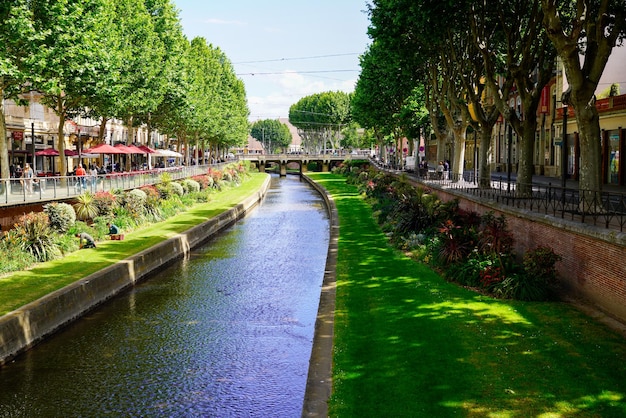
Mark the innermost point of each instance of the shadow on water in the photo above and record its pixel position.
(225, 332)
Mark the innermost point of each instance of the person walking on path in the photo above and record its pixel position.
(27, 181)
(81, 173)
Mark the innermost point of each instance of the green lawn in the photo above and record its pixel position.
(20, 288)
(410, 344)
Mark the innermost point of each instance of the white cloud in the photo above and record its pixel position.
(214, 21)
(285, 90)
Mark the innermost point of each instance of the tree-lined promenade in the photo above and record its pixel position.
(119, 59)
(454, 67)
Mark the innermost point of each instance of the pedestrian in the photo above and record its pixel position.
(27, 176)
(439, 170)
(81, 173)
(93, 173)
(86, 240)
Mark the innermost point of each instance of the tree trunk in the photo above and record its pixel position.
(484, 173)
(458, 157)
(526, 167)
(61, 140)
(590, 162)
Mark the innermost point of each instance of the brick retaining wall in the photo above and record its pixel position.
(594, 259)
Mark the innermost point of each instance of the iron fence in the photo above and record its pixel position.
(606, 208)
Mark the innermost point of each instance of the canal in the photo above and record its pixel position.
(226, 332)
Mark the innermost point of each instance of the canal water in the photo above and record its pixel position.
(226, 332)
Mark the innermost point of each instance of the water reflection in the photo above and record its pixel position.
(225, 333)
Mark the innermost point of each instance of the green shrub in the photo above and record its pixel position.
(540, 263)
(85, 207)
(35, 236)
(533, 284)
(11, 253)
(106, 202)
(61, 216)
(176, 188)
(191, 185)
(135, 203)
(468, 272)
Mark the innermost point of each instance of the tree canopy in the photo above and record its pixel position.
(122, 59)
(272, 133)
(320, 118)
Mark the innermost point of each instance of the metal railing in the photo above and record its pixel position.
(15, 191)
(606, 208)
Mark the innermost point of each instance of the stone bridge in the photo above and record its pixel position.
(325, 161)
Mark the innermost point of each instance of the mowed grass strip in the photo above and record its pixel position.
(20, 288)
(410, 344)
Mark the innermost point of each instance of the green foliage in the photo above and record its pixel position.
(35, 236)
(273, 134)
(321, 116)
(469, 272)
(11, 253)
(165, 178)
(135, 203)
(175, 188)
(106, 202)
(190, 186)
(541, 263)
(533, 284)
(61, 216)
(86, 207)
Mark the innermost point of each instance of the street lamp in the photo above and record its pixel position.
(564, 147)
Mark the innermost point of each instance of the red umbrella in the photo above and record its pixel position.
(104, 149)
(48, 152)
(123, 148)
(146, 149)
(135, 150)
(70, 152)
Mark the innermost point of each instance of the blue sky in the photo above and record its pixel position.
(283, 50)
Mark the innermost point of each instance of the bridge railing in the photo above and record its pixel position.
(300, 156)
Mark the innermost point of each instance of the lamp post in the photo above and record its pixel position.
(564, 148)
(32, 143)
(509, 152)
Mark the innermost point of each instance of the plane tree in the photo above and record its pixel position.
(141, 78)
(272, 134)
(320, 118)
(17, 37)
(218, 99)
(584, 33)
(519, 60)
(379, 95)
(72, 56)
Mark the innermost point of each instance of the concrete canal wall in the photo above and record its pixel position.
(25, 327)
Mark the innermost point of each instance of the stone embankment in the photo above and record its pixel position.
(23, 328)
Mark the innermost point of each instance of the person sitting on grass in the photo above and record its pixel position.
(86, 240)
(114, 231)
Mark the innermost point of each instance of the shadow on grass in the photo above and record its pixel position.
(408, 343)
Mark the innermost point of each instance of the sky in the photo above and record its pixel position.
(283, 50)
